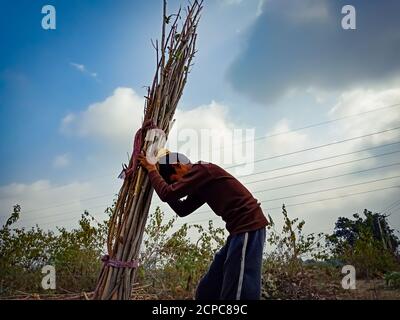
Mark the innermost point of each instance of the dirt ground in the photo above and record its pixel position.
(371, 290)
(365, 290)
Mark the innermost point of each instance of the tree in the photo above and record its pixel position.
(348, 231)
(369, 244)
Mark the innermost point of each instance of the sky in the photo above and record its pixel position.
(319, 102)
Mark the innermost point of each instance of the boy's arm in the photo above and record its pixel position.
(184, 187)
(185, 207)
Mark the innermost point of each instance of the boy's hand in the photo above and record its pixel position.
(145, 163)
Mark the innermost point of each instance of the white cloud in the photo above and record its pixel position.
(308, 11)
(230, 2)
(113, 120)
(320, 95)
(117, 118)
(267, 67)
(296, 11)
(79, 67)
(49, 204)
(258, 3)
(279, 144)
(260, 6)
(67, 120)
(82, 68)
(61, 161)
(321, 216)
(196, 132)
(211, 116)
(364, 100)
(207, 133)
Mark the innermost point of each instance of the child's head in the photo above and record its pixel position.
(173, 166)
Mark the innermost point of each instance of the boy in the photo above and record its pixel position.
(235, 272)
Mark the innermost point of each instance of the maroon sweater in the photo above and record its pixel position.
(209, 183)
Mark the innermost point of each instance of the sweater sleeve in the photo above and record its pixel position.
(189, 183)
(185, 207)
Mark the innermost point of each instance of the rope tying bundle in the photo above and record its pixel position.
(119, 264)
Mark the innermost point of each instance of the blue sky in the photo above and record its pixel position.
(269, 65)
(39, 86)
(37, 63)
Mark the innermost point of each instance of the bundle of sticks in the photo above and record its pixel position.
(127, 223)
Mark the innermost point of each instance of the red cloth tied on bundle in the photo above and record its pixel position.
(137, 144)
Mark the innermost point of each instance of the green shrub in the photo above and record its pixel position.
(285, 275)
(392, 280)
(171, 261)
(368, 257)
(75, 255)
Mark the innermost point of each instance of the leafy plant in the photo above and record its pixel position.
(171, 261)
(74, 254)
(392, 279)
(369, 244)
(284, 269)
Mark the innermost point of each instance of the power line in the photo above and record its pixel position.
(256, 139)
(272, 170)
(331, 189)
(327, 178)
(323, 190)
(288, 197)
(314, 125)
(264, 159)
(333, 198)
(30, 218)
(390, 212)
(62, 186)
(323, 159)
(288, 205)
(71, 202)
(320, 168)
(391, 206)
(65, 220)
(317, 147)
(327, 122)
(310, 202)
(96, 215)
(277, 156)
(251, 182)
(106, 205)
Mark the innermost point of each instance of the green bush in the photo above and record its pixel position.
(368, 257)
(173, 258)
(285, 275)
(369, 244)
(74, 254)
(392, 280)
(171, 261)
